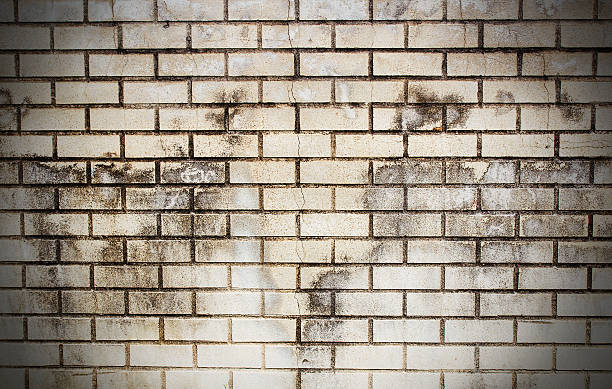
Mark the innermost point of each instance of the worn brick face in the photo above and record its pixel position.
(363, 194)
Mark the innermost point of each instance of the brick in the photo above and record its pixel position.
(123, 172)
(439, 251)
(369, 146)
(120, 10)
(88, 146)
(576, 34)
(585, 145)
(42, 11)
(121, 65)
(504, 9)
(515, 304)
(419, 331)
(603, 118)
(291, 251)
(518, 145)
(369, 304)
(30, 354)
(124, 224)
(29, 301)
(86, 92)
(261, 64)
(397, 10)
(583, 304)
(552, 278)
(268, 118)
(333, 119)
(581, 9)
(11, 276)
(408, 172)
(113, 119)
(585, 92)
(543, 380)
(441, 145)
(227, 198)
(518, 92)
(262, 172)
(406, 278)
(481, 331)
(439, 35)
(91, 251)
(227, 251)
(7, 65)
(479, 225)
(366, 91)
(337, 224)
(276, 379)
(550, 118)
(89, 198)
(161, 355)
(26, 198)
(122, 378)
(334, 330)
(297, 198)
(263, 330)
(96, 302)
(196, 329)
(154, 36)
(142, 146)
(127, 328)
(159, 303)
(298, 357)
(94, 354)
(480, 172)
(600, 331)
(229, 356)
(38, 37)
(222, 36)
(25, 93)
(602, 225)
(296, 145)
(604, 64)
(296, 35)
(191, 119)
(322, 10)
(191, 64)
(224, 91)
(584, 252)
(125, 276)
(370, 36)
(155, 198)
(55, 379)
(51, 65)
(56, 224)
(516, 252)
(407, 64)
(186, 378)
(511, 357)
(553, 225)
(158, 93)
(85, 37)
(365, 251)
(440, 304)
(554, 331)
(334, 172)
(407, 224)
(603, 172)
(296, 91)
(54, 119)
(581, 199)
(371, 198)
(440, 198)
(190, 10)
(561, 172)
(333, 64)
(260, 10)
(437, 357)
(334, 278)
(60, 276)
(372, 357)
(482, 64)
(227, 303)
(478, 278)
(517, 199)
(51, 328)
(534, 34)
(467, 380)
(263, 277)
(557, 63)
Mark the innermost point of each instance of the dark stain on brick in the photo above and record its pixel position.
(504, 96)
(122, 173)
(50, 172)
(570, 112)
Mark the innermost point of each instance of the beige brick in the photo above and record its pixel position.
(154, 36)
(557, 63)
(227, 251)
(229, 355)
(51, 65)
(482, 9)
(584, 252)
(517, 145)
(334, 330)
(583, 304)
(603, 172)
(554, 331)
(55, 379)
(89, 198)
(420, 331)
(296, 91)
(369, 146)
(534, 34)
(585, 91)
(291, 251)
(400, 379)
(9, 172)
(118, 119)
(268, 118)
(297, 198)
(155, 92)
(12, 276)
(369, 303)
(224, 36)
(261, 64)
(338, 224)
(124, 224)
(406, 278)
(26, 198)
(225, 91)
(298, 357)
(43, 11)
(397, 10)
(334, 277)
(440, 357)
(196, 329)
(407, 224)
(262, 172)
(442, 35)
(121, 65)
(516, 304)
(122, 378)
(264, 277)
(161, 355)
(602, 225)
(321, 10)
(517, 199)
(196, 379)
(191, 64)
(512, 357)
(211, 224)
(604, 64)
(35, 37)
(371, 357)
(333, 64)
(260, 10)
(91, 250)
(407, 172)
(480, 224)
(85, 37)
(603, 119)
(370, 36)
(190, 10)
(369, 198)
(518, 91)
(98, 302)
(185, 119)
(127, 328)
(585, 199)
(53, 119)
(159, 303)
(480, 172)
(296, 35)
(227, 303)
(440, 198)
(367, 251)
(94, 354)
(226, 198)
(366, 91)
(442, 145)
(333, 119)
(55, 224)
(468, 331)
(86, 92)
(156, 198)
(21, 301)
(296, 145)
(440, 251)
(482, 64)
(585, 145)
(147, 146)
(544, 380)
(478, 278)
(223, 146)
(581, 9)
(553, 225)
(576, 34)
(25, 93)
(263, 330)
(7, 65)
(407, 64)
(567, 118)
(121, 10)
(88, 146)
(263, 225)
(123, 172)
(122, 276)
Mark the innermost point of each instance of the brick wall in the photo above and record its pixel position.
(305, 194)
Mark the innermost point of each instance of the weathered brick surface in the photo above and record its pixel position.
(307, 194)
